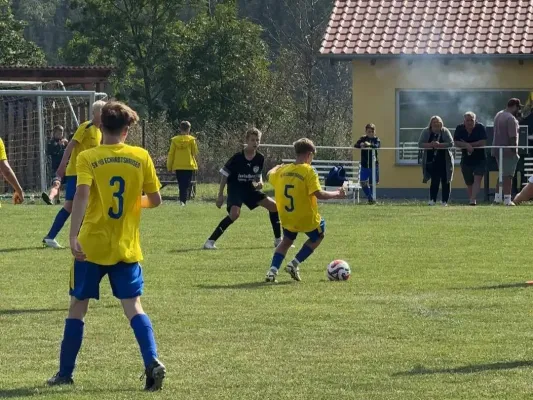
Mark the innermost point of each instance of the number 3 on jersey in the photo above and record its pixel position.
(290, 208)
(118, 195)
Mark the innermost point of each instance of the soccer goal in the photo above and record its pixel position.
(28, 113)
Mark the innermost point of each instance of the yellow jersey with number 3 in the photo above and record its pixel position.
(117, 175)
(3, 155)
(294, 185)
(86, 137)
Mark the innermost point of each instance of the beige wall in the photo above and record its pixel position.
(374, 99)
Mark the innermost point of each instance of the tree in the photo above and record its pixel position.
(14, 49)
(219, 71)
(135, 37)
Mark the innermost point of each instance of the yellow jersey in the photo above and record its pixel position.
(117, 175)
(3, 155)
(87, 136)
(294, 186)
(182, 153)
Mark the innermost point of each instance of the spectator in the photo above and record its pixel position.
(471, 137)
(182, 159)
(437, 161)
(371, 142)
(506, 134)
(55, 149)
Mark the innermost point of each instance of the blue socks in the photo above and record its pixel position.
(142, 328)
(303, 254)
(61, 217)
(70, 346)
(277, 259)
(368, 192)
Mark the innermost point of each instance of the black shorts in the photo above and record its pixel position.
(251, 198)
(469, 171)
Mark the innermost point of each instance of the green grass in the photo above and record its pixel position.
(423, 316)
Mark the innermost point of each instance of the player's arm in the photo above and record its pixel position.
(273, 171)
(64, 160)
(359, 143)
(376, 144)
(11, 178)
(225, 173)
(259, 184)
(314, 188)
(326, 195)
(170, 157)
(151, 185)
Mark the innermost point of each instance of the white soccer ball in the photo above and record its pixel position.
(338, 270)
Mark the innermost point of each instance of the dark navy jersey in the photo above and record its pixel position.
(241, 172)
(366, 153)
(55, 150)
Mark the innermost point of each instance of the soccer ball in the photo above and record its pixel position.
(338, 270)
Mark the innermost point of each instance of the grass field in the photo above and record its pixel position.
(436, 309)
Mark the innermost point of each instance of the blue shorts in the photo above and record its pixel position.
(365, 175)
(126, 280)
(70, 191)
(314, 236)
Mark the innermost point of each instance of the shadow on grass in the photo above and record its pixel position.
(197, 249)
(492, 287)
(468, 369)
(15, 249)
(249, 285)
(45, 391)
(17, 311)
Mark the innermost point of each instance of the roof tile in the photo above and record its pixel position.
(395, 27)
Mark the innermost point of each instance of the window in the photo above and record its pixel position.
(414, 108)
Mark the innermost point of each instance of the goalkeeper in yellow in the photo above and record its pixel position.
(104, 238)
(9, 175)
(297, 188)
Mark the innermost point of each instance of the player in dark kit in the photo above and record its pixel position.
(55, 150)
(368, 145)
(243, 175)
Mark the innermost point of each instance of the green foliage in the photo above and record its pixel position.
(14, 49)
(133, 36)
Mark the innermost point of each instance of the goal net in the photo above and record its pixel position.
(28, 114)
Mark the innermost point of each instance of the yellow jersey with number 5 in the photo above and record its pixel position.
(3, 155)
(86, 137)
(294, 186)
(117, 176)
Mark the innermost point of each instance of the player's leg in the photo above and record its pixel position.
(315, 238)
(234, 211)
(279, 254)
(364, 179)
(270, 205)
(62, 216)
(526, 193)
(54, 190)
(186, 182)
(85, 280)
(127, 284)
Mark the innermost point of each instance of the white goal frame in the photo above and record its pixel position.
(40, 95)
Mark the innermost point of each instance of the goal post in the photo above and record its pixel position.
(28, 114)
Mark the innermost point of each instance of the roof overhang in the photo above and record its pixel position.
(420, 57)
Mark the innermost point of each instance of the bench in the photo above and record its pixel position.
(352, 168)
(528, 169)
(169, 178)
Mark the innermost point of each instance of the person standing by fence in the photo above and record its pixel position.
(437, 161)
(182, 159)
(369, 143)
(506, 134)
(471, 137)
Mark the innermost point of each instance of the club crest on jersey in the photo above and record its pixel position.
(256, 169)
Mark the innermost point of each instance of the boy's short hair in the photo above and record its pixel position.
(116, 116)
(253, 132)
(185, 126)
(98, 105)
(370, 126)
(58, 128)
(304, 146)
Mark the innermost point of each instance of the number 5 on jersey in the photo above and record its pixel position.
(118, 195)
(290, 208)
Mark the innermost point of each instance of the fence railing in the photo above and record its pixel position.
(528, 169)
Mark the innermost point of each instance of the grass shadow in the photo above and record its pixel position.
(248, 285)
(493, 287)
(20, 392)
(17, 311)
(468, 369)
(46, 391)
(196, 249)
(15, 249)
